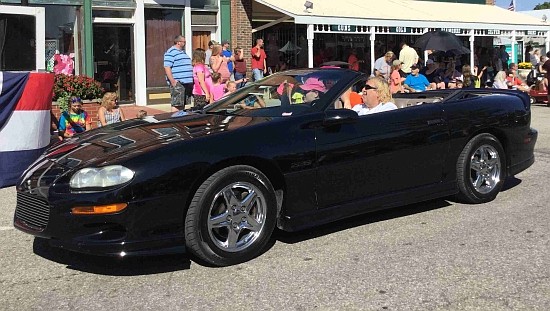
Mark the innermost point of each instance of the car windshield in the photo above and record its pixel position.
(275, 94)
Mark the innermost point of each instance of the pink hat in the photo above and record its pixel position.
(313, 84)
(281, 87)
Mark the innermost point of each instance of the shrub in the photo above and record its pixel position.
(63, 102)
(525, 65)
(84, 87)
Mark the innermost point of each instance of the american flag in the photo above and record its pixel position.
(25, 103)
(512, 6)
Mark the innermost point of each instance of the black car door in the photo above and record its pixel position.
(381, 153)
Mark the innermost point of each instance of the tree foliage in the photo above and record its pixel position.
(542, 6)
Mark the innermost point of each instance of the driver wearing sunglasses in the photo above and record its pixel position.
(376, 97)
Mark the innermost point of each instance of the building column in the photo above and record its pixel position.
(88, 42)
(310, 37)
(547, 42)
(426, 55)
(514, 58)
(188, 33)
(140, 62)
(40, 38)
(472, 52)
(372, 56)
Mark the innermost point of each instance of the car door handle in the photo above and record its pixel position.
(436, 121)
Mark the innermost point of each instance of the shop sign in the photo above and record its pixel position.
(492, 32)
(531, 32)
(343, 28)
(400, 29)
(452, 30)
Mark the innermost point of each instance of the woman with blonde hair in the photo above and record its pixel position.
(109, 112)
(500, 80)
(376, 97)
(218, 63)
(202, 80)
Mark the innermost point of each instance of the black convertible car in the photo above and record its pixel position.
(280, 152)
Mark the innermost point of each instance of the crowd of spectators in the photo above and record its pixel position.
(406, 71)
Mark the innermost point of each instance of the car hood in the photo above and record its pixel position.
(127, 139)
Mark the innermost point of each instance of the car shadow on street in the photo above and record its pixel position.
(510, 182)
(373, 217)
(114, 266)
(360, 220)
(143, 265)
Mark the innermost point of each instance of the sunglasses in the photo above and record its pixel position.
(368, 87)
(76, 100)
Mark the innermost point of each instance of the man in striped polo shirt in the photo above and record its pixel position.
(179, 74)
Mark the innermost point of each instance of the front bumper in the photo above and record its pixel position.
(145, 227)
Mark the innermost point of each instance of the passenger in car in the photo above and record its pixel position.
(289, 93)
(253, 101)
(376, 97)
(313, 89)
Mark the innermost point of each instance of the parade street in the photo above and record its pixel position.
(436, 255)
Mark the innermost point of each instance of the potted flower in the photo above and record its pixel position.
(525, 65)
(66, 86)
(523, 69)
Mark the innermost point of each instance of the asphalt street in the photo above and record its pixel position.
(438, 255)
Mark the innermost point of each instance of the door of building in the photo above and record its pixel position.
(113, 59)
(200, 40)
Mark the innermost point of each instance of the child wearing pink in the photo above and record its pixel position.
(201, 88)
(218, 88)
(197, 90)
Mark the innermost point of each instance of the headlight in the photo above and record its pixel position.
(101, 177)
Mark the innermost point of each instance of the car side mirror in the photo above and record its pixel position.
(339, 116)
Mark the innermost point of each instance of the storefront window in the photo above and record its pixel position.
(161, 26)
(61, 35)
(113, 13)
(204, 4)
(17, 42)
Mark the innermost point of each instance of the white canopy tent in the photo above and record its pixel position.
(409, 17)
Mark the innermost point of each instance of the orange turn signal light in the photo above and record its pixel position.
(98, 209)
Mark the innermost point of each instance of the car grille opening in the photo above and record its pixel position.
(32, 210)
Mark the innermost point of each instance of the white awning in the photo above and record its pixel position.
(407, 13)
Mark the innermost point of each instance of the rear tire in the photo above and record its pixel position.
(481, 169)
(231, 217)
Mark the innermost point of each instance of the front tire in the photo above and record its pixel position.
(231, 217)
(481, 169)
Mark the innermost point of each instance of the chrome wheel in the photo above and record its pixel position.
(237, 216)
(485, 169)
